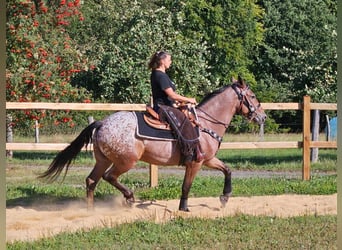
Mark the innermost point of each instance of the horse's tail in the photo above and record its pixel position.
(65, 157)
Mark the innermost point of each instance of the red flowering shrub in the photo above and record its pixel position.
(42, 58)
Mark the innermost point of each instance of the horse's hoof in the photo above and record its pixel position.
(184, 209)
(224, 199)
(130, 201)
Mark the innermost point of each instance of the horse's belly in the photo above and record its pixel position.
(161, 152)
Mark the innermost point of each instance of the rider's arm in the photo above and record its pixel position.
(176, 97)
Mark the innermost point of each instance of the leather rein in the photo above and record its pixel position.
(244, 100)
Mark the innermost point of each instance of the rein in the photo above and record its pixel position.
(241, 93)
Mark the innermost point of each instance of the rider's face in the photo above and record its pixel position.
(166, 61)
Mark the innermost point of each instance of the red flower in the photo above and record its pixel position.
(43, 9)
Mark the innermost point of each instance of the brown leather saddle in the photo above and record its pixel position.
(152, 118)
(182, 123)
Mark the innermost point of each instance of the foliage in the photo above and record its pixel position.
(299, 55)
(133, 33)
(64, 51)
(41, 59)
(232, 30)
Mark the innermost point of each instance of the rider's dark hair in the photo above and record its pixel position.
(156, 58)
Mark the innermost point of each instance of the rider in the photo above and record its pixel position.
(164, 91)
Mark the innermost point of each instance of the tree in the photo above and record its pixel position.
(231, 29)
(124, 36)
(299, 54)
(41, 58)
(210, 41)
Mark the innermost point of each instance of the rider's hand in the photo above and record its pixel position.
(192, 100)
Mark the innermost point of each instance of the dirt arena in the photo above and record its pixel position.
(37, 221)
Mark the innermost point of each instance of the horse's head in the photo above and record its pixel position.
(249, 105)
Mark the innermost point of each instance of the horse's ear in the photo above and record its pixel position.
(241, 81)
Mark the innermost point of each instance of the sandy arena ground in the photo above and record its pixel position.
(44, 220)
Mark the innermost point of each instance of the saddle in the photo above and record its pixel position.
(151, 117)
(181, 121)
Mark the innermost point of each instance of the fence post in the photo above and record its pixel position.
(306, 138)
(153, 175)
(36, 131)
(90, 119)
(315, 134)
(9, 134)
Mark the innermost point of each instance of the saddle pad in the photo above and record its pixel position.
(145, 131)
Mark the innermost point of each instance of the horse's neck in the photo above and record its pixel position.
(218, 112)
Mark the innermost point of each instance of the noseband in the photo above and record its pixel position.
(245, 100)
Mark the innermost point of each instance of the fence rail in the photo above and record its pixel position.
(306, 144)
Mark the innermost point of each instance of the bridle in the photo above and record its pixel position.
(244, 100)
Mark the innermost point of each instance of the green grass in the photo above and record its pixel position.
(238, 232)
(22, 187)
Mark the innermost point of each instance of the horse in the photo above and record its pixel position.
(117, 148)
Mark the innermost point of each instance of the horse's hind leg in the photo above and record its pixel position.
(113, 174)
(93, 178)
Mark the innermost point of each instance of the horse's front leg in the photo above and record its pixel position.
(190, 173)
(215, 163)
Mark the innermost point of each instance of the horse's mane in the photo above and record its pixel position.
(212, 94)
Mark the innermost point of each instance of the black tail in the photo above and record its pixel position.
(65, 157)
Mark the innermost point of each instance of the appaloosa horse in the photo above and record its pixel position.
(117, 148)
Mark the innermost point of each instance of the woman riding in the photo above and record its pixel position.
(163, 89)
(164, 94)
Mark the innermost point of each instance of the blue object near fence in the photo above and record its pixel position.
(333, 129)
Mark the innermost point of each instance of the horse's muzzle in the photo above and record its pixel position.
(259, 118)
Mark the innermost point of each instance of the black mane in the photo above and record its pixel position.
(212, 94)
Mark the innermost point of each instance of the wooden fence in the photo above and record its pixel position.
(306, 144)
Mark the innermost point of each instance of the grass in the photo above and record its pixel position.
(22, 187)
(238, 232)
